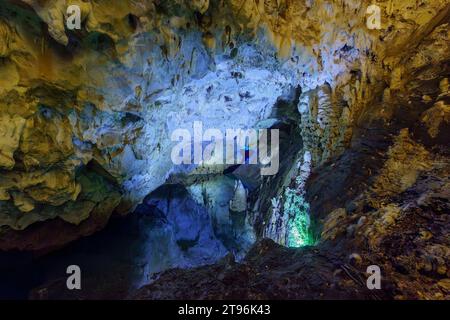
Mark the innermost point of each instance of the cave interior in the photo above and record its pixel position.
(114, 155)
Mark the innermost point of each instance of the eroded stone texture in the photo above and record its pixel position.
(10, 136)
(86, 116)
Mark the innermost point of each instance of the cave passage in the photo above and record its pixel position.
(107, 163)
(169, 230)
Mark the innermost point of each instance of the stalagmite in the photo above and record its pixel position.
(239, 201)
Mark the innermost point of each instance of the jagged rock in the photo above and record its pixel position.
(436, 115)
(50, 227)
(373, 123)
(406, 159)
(355, 259)
(334, 224)
(10, 132)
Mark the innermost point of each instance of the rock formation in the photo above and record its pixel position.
(239, 201)
(86, 118)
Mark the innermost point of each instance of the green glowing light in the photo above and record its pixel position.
(299, 233)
